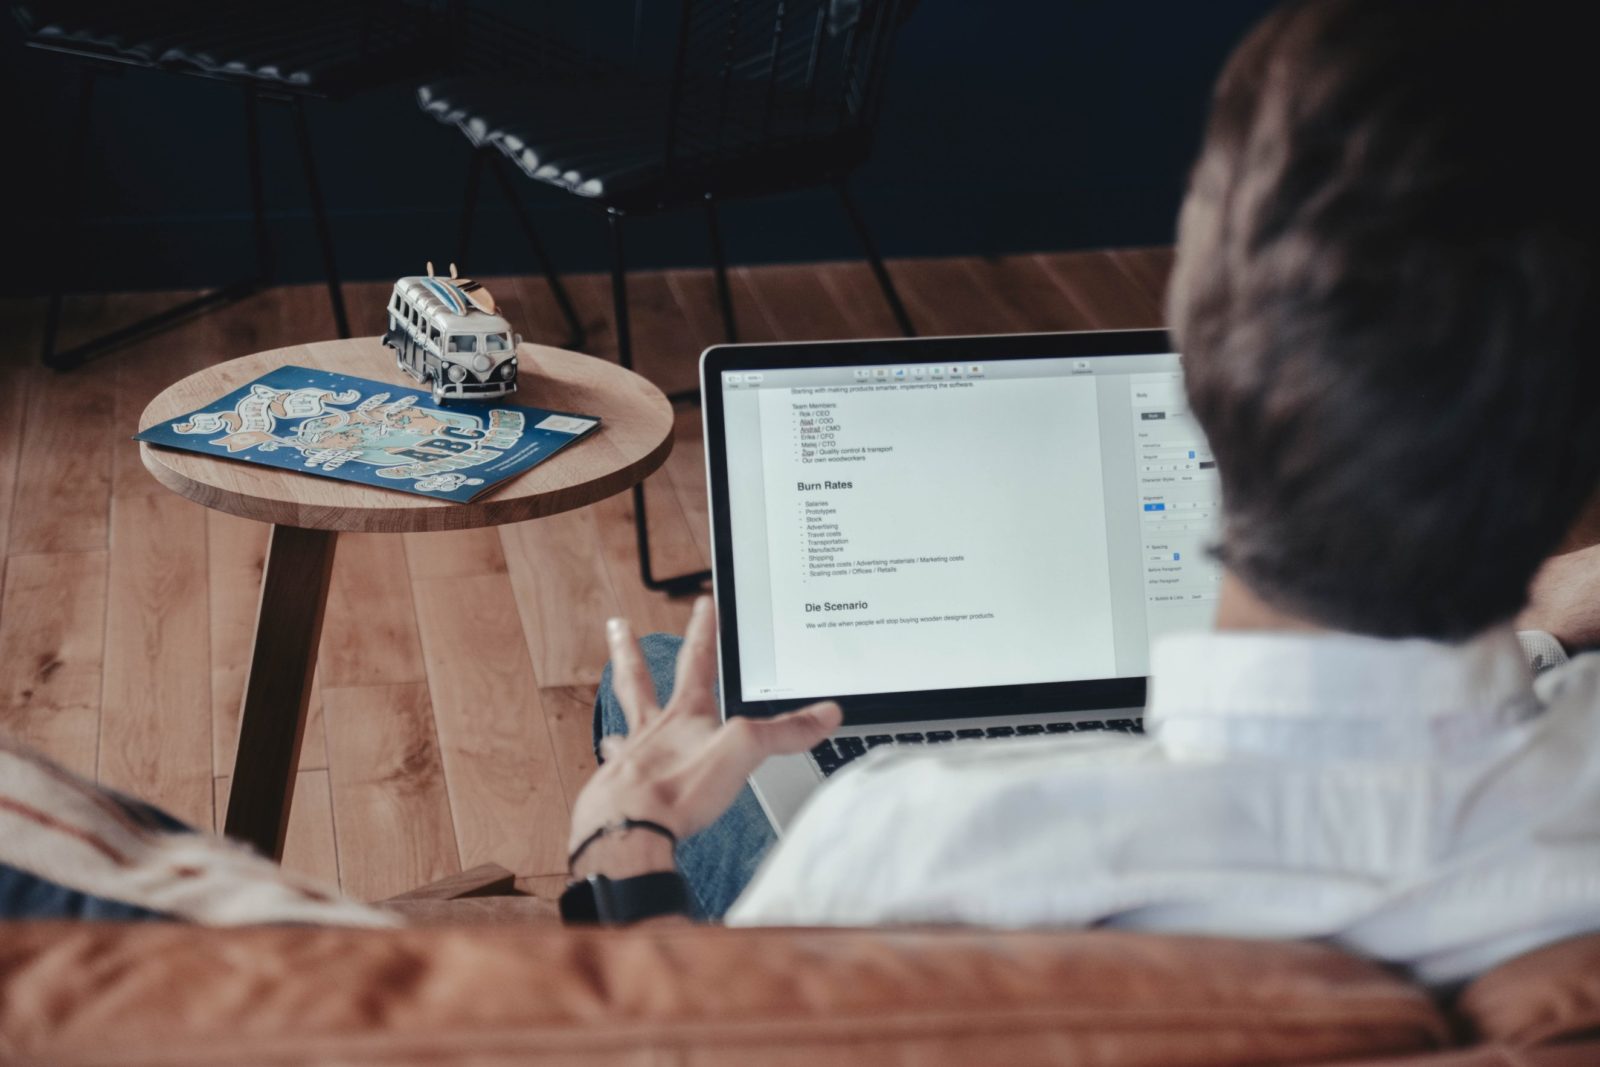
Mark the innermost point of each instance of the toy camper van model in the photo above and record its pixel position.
(446, 331)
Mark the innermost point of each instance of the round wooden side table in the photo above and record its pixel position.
(307, 513)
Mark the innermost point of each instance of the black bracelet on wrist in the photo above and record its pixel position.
(617, 827)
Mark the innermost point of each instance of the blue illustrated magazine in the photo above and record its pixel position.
(358, 430)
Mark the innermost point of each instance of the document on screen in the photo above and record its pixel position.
(934, 534)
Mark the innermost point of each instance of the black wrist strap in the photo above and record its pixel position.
(616, 828)
(598, 899)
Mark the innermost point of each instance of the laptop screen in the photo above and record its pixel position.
(906, 525)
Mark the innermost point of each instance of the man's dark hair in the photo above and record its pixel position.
(1385, 295)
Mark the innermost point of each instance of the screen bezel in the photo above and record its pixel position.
(914, 706)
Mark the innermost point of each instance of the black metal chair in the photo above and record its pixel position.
(746, 98)
(282, 52)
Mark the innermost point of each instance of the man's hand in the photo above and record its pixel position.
(681, 765)
(1564, 599)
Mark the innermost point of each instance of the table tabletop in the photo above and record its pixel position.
(634, 438)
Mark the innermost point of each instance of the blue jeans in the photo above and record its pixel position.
(719, 861)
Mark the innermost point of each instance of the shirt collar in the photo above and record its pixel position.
(1336, 694)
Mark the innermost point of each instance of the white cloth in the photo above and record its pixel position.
(1426, 804)
(77, 838)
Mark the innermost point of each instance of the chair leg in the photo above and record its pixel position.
(719, 262)
(619, 289)
(575, 332)
(469, 207)
(683, 583)
(258, 196)
(876, 261)
(330, 269)
(68, 213)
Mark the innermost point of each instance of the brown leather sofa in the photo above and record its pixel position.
(148, 994)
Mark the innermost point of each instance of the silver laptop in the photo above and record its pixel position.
(965, 540)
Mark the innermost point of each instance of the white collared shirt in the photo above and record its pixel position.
(1430, 805)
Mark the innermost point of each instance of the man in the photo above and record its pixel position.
(1385, 293)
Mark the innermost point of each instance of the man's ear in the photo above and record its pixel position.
(1586, 530)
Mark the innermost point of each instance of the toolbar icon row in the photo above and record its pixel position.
(919, 373)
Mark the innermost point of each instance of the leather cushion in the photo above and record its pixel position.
(1549, 994)
(170, 994)
(1585, 1055)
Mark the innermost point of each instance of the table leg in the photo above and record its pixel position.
(294, 592)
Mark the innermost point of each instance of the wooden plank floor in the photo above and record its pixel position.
(126, 612)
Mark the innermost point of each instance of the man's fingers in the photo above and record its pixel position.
(800, 730)
(610, 747)
(793, 732)
(697, 659)
(738, 747)
(630, 678)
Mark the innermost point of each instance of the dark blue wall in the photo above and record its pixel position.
(1007, 127)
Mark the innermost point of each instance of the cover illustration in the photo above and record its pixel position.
(358, 430)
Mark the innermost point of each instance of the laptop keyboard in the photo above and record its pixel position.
(835, 753)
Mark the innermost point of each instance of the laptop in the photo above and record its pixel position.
(964, 540)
